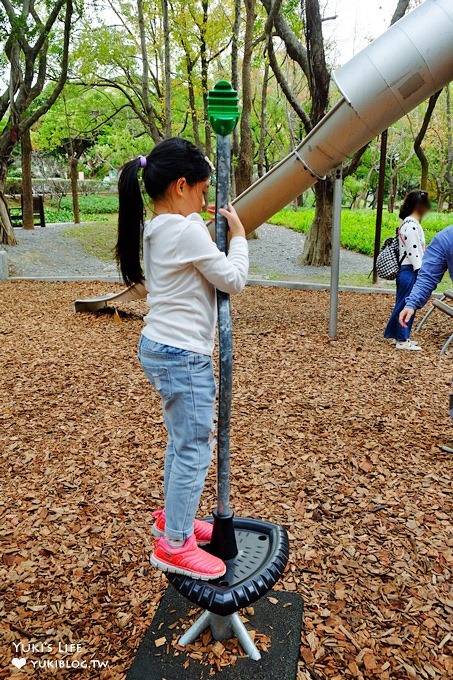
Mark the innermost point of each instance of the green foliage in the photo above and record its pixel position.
(358, 226)
(93, 204)
(79, 112)
(352, 186)
(63, 215)
(93, 207)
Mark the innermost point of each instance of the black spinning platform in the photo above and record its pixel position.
(263, 551)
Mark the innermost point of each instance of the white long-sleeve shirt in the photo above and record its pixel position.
(183, 268)
(411, 242)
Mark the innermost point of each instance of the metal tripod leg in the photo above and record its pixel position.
(244, 638)
(222, 627)
(195, 630)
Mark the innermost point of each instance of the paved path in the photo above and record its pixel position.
(274, 255)
(47, 252)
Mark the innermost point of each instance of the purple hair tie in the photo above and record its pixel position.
(143, 161)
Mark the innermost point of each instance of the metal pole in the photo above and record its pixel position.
(223, 112)
(335, 265)
(380, 201)
(225, 334)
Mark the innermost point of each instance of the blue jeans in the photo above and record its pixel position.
(185, 382)
(405, 281)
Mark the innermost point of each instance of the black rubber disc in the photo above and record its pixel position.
(261, 560)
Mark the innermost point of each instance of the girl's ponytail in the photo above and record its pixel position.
(130, 222)
(168, 161)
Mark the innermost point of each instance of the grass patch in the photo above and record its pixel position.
(98, 239)
(358, 226)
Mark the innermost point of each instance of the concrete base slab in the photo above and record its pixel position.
(3, 265)
(282, 622)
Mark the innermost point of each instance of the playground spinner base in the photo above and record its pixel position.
(279, 619)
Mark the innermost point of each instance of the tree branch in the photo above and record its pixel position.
(31, 120)
(271, 15)
(421, 136)
(351, 167)
(289, 94)
(296, 50)
(44, 34)
(400, 11)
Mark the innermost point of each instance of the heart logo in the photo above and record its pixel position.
(19, 662)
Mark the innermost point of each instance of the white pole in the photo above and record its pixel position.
(335, 265)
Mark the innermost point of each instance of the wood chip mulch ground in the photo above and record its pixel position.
(336, 440)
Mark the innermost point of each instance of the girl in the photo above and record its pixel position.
(411, 249)
(183, 268)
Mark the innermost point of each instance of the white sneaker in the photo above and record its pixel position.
(413, 342)
(408, 344)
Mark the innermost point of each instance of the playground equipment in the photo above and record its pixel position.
(135, 292)
(445, 305)
(255, 552)
(407, 64)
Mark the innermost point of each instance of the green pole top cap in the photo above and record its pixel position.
(223, 110)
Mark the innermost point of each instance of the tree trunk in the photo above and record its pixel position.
(361, 199)
(205, 78)
(167, 68)
(26, 51)
(149, 111)
(192, 98)
(244, 172)
(393, 189)
(28, 221)
(440, 198)
(263, 122)
(235, 75)
(73, 170)
(318, 242)
(6, 228)
(449, 150)
(193, 109)
(419, 140)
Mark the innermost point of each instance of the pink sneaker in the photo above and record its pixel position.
(202, 530)
(189, 560)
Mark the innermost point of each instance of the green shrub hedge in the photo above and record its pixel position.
(358, 226)
(94, 204)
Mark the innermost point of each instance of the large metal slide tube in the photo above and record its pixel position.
(406, 65)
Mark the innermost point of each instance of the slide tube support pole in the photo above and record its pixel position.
(336, 244)
(380, 201)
